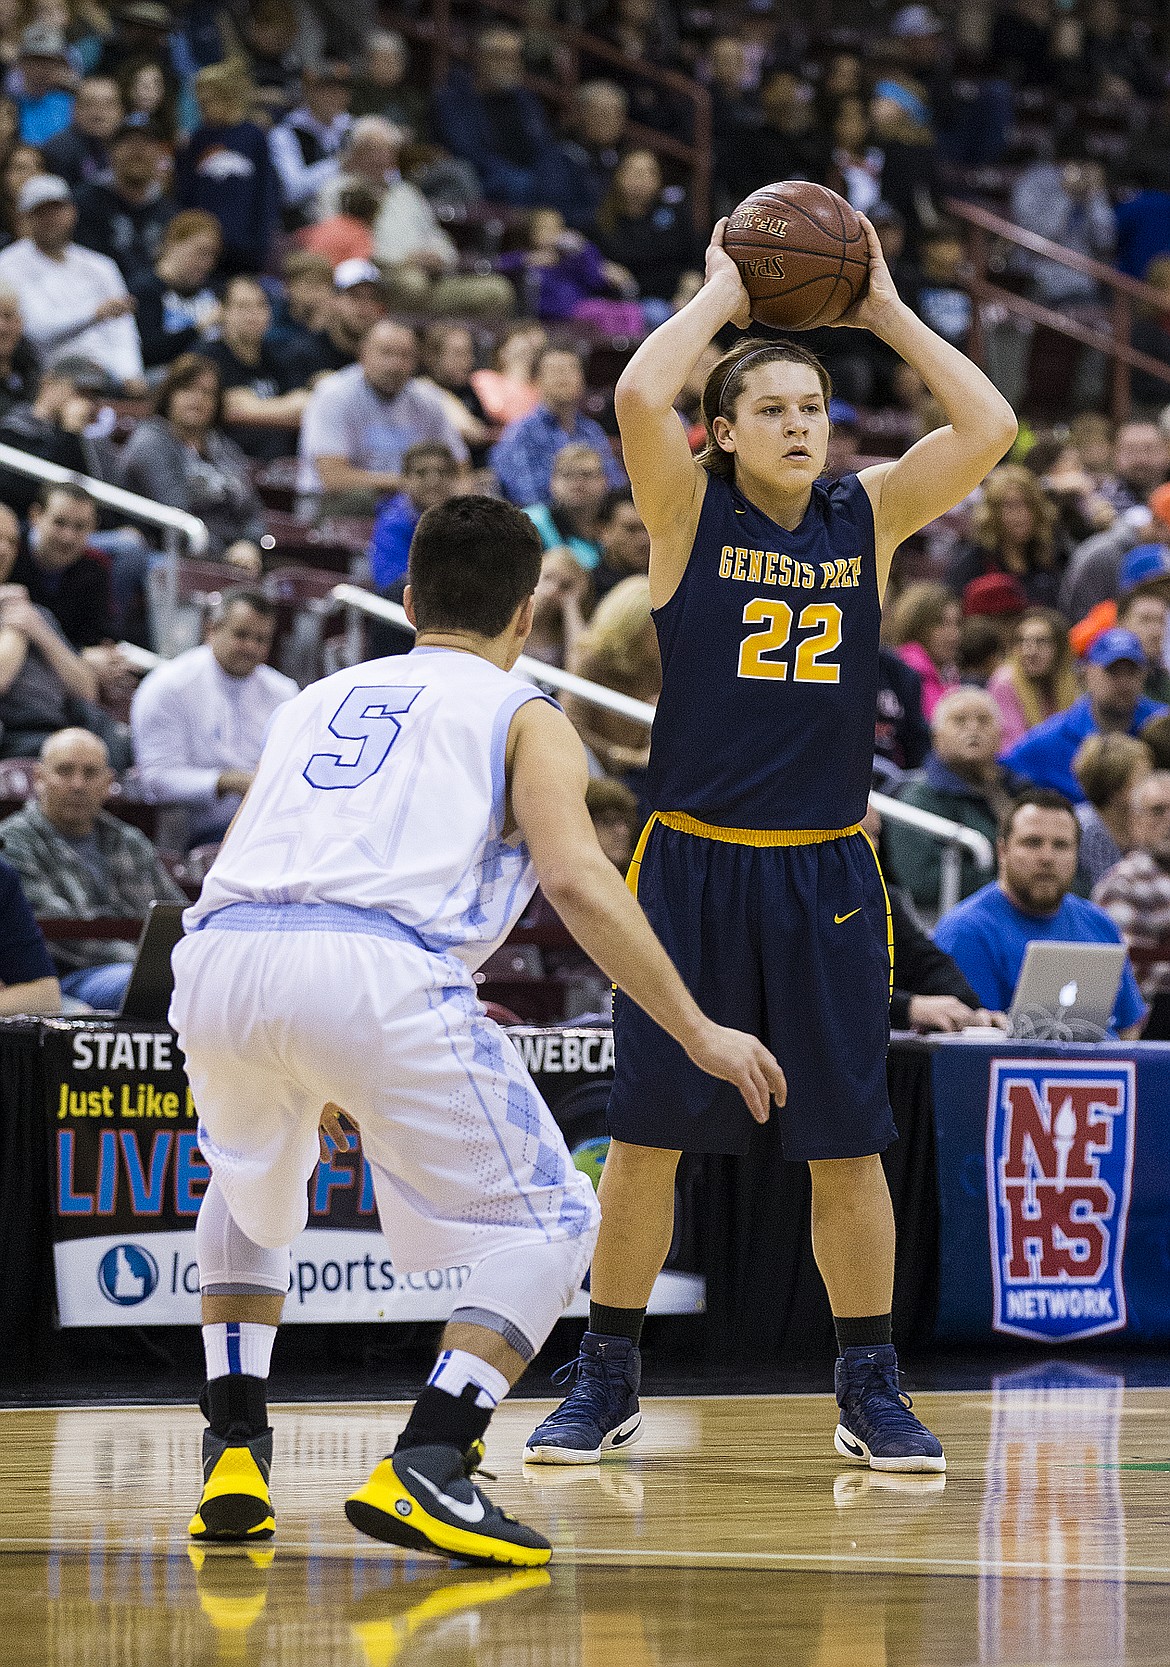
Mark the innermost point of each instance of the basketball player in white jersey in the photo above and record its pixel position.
(399, 820)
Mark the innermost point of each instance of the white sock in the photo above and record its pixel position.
(455, 1369)
(238, 1347)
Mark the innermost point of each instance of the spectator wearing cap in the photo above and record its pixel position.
(43, 99)
(1037, 679)
(225, 168)
(359, 423)
(1113, 703)
(1142, 608)
(307, 144)
(1135, 894)
(523, 456)
(961, 780)
(53, 426)
(1013, 532)
(1093, 575)
(71, 299)
(357, 302)
(1108, 768)
(263, 396)
(79, 154)
(127, 217)
(177, 308)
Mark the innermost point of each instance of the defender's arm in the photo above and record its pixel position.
(548, 776)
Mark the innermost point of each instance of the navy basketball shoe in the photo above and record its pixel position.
(600, 1414)
(875, 1425)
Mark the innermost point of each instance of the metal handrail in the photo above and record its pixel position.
(142, 509)
(438, 36)
(1124, 292)
(954, 837)
(353, 598)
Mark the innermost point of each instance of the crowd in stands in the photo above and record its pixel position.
(254, 266)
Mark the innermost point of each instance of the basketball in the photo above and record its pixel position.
(802, 253)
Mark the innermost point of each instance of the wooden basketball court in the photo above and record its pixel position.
(732, 1533)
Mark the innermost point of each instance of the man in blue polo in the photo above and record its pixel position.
(988, 934)
(1115, 672)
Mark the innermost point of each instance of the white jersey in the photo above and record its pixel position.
(383, 788)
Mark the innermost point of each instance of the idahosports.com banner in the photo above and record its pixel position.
(128, 1178)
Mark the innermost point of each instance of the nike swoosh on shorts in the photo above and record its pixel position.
(466, 1513)
(839, 920)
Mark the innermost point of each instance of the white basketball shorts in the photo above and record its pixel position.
(465, 1155)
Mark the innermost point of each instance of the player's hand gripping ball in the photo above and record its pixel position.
(802, 253)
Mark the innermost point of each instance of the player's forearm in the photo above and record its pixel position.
(657, 373)
(606, 921)
(970, 401)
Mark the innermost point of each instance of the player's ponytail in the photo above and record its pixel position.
(725, 383)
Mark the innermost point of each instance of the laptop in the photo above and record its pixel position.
(148, 994)
(1067, 984)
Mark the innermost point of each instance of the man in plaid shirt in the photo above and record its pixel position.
(1136, 895)
(78, 862)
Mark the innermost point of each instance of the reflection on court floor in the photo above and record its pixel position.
(732, 1534)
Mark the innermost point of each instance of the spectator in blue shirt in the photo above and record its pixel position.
(491, 120)
(988, 934)
(1115, 672)
(46, 109)
(430, 473)
(28, 979)
(225, 168)
(523, 455)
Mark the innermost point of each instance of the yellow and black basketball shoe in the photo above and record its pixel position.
(237, 1462)
(423, 1498)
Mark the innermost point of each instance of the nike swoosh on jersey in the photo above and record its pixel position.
(465, 1513)
(839, 920)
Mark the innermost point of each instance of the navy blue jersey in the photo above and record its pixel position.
(770, 666)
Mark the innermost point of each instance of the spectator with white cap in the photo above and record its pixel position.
(358, 303)
(70, 298)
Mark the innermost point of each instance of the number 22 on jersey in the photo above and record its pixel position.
(822, 620)
(367, 723)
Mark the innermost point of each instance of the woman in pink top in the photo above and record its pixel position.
(1037, 679)
(925, 632)
(509, 392)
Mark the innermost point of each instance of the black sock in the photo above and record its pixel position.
(866, 1333)
(236, 1407)
(616, 1322)
(441, 1420)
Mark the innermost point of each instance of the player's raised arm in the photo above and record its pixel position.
(667, 482)
(944, 467)
(548, 776)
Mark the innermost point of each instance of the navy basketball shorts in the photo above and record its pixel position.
(791, 943)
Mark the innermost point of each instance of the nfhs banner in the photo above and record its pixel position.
(1054, 1191)
(128, 1176)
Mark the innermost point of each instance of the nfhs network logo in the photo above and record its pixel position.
(1059, 1163)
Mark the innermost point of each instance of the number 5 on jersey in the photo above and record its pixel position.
(822, 619)
(369, 718)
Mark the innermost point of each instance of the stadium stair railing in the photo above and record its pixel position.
(988, 233)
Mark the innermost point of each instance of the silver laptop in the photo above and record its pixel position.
(1070, 985)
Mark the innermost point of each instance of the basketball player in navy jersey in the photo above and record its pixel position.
(767, 586)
